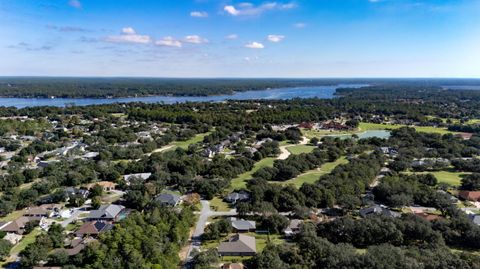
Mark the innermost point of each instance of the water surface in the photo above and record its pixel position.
(324, 92)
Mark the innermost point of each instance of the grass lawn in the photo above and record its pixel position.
(196, 139)
(241, 181)
(450, 178)
(310, 133)
(313, 175)
(13, 216)
(26, 240)
(365, 126)
(299, 149)
(218, 204)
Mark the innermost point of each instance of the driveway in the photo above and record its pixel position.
(76, 212)
(203, 216)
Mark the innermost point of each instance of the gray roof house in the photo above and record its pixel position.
(378, 210)
(142, 176)
(241, 225)
(235, 197)
(293, 227)
(475, 219)
(72, 191)
(238, 245)
(106, 213)
(168, 199)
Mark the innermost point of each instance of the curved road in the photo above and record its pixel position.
(284, 151)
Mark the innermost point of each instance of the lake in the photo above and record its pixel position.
(324, 92)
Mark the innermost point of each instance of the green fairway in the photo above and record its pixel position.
(241, 181)
(299, 149)
(364, 126)
(313, 175)
(447, 177)
(310, 133)
(196, 139)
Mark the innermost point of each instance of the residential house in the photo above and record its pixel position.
(76, 192)
(42, 211)
(293, 227)
(473, 196)
(450, 197)
(464, 136)
(36, 212)
(93, 228)
(475, 218)
(238, 245)
(110, 213)
(235, 197)
(378, 210)
(168, 199)
(242, 226)
(44, 164)
(106, 185)
(140, 176)
(17, 226)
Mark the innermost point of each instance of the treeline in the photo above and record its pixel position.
(126, 87)
(311, 250)
(344, 186)
(151, 239)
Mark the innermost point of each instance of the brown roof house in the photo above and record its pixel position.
(93, 228)
(473, 196)
(42, 211)
(238, 245)
(17, 226)
(106, 185)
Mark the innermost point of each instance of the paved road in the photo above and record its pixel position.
(284, 153)
(203, 216)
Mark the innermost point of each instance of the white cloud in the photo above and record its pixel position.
(128, 31)
(231, 10)
(300, 25)
(249, 9)
(199, 14)
(195, 39)
(275, 38)
(254, 45)
(129, 35)
(232, 36)
(169, 41)
(75, 3)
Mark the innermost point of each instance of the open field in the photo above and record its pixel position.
(313, 175)
(364, 126)
(184, 144)
(298, 149)
(448, 177)
(13, 216)
(241, 181)
(310, 133)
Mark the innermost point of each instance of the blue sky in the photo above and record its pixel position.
(222, 38)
